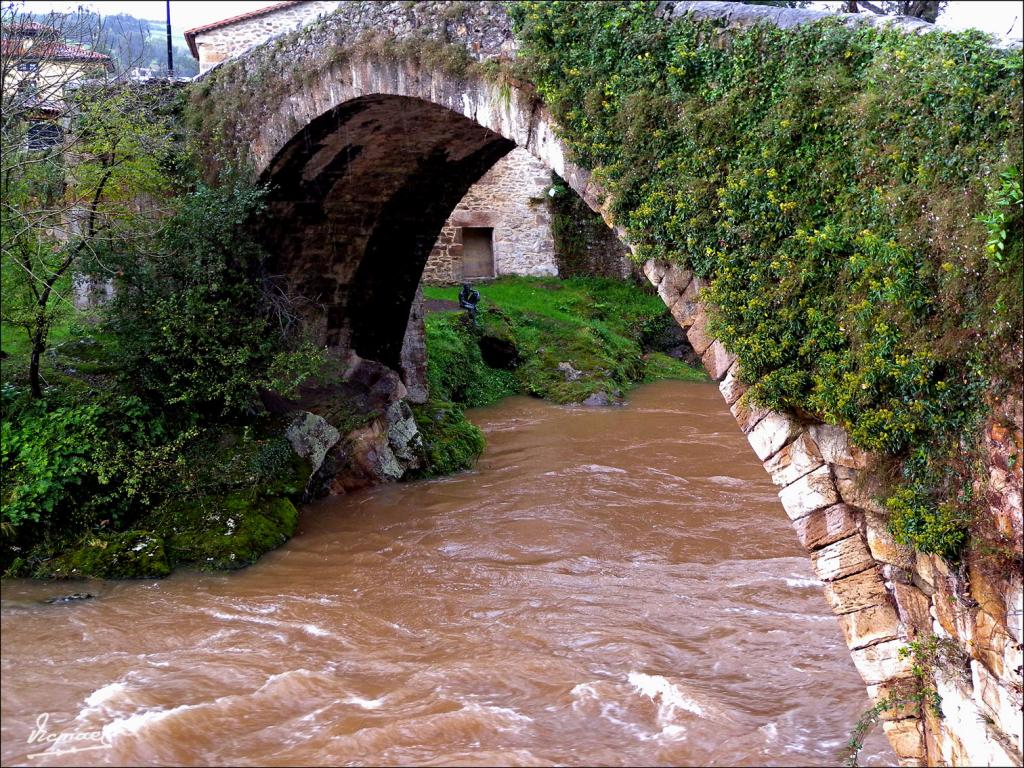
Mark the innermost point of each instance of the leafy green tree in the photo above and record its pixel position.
(196, 327)
(83, 157)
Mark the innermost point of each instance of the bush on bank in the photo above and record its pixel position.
(852, 194)
(152, 412)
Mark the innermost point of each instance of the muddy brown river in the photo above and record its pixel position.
(609, 586)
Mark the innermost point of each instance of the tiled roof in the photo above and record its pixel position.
(14, 48)
(190, 34)
(28, 27)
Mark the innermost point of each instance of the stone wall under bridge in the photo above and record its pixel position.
(884, 595)
(509, 201)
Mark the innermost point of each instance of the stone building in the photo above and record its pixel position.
(225, 39)
(501, 227)
(39, 68)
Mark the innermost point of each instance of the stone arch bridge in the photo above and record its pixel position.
(371, 124)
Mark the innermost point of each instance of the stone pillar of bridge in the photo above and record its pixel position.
(413, 366)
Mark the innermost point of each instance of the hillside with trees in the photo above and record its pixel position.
(131, 41)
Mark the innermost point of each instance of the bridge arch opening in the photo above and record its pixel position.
(357, 199)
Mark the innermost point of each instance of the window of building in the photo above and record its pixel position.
(477, 252)
(43, 135)
(28, 66)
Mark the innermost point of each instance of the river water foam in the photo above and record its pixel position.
(609, 586)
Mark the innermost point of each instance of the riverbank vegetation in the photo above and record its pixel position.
(137, 335)
(581, 340)
(148, 426)
(150, 450)
(852, 194)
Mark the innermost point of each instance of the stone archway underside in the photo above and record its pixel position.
(357, 199)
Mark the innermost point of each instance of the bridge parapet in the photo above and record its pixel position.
(482, 27)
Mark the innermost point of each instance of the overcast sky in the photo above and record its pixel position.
(995, 16)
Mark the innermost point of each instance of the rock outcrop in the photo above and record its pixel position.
(357, 432)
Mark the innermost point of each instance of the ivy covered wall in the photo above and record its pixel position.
(584, 245)
(852, 194)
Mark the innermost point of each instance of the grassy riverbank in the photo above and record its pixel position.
(582, 340)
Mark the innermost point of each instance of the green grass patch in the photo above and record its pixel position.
(456, 371)
(77, 346)
(661, 367)
(562, 340)
(14, 341)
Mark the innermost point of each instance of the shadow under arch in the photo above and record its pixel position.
(357, 199)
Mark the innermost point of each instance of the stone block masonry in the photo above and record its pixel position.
(509, 201)
(584, 243)
(884, 595)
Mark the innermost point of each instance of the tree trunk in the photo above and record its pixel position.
(42, 328)
(38, 347)
(923, 9)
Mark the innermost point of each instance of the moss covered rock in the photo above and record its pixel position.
(224, 532)
(497, 340)
(289, 480)
(450, 442)
(128, 555)
(311, 437)
(456, 370)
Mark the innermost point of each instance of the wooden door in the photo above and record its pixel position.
(477, 252)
